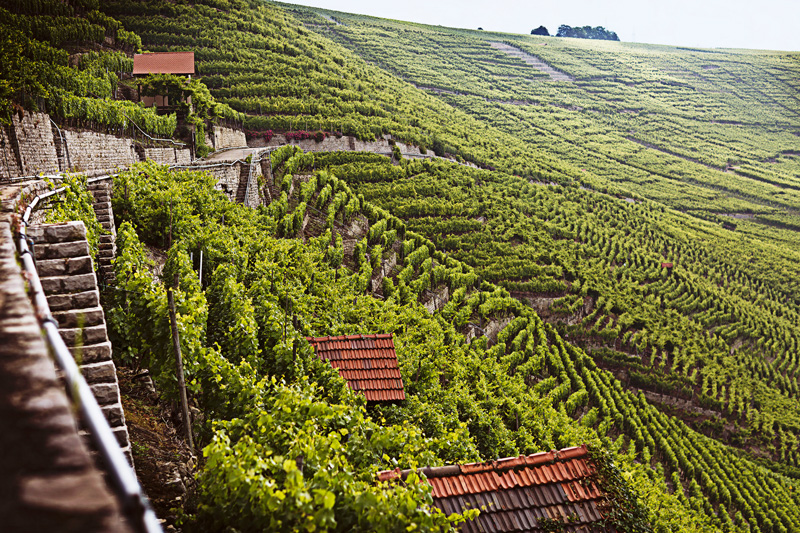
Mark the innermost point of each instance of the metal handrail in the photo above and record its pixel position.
(148, 136)
(63, 142)
(135, 504)
(253, 161)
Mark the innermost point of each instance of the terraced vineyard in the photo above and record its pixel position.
(704, 131)
(620, 267)
(553, 394)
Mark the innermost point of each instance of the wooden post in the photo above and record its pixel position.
(176, 343)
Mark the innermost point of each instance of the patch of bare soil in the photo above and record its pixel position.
(164, 463)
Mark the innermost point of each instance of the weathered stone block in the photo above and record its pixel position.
(80, 300)
(62, 232)
(106, 393)
(121, 433)
(69, 284)
(64, 267)
(88, 335)
(100, 372)
(92, 353)
(114, 415)
(62, 249)
(80, 317)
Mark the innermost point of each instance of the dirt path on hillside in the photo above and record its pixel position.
(533, 61)
(232, 155)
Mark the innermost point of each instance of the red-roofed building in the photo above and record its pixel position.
(367, 362)
(519, 493)
(178, 63)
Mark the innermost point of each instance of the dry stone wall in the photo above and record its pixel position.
(31, 145)
(344, 143)
(169, 155)
(68, 279)
(27, 147)
(227, 176)
(89, 150)
(223, 137)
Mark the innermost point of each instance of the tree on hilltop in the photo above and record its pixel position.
(587, 32)
(541, 30)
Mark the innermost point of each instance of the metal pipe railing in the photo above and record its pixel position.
(149, 137)
(63, 144)
(135, 504)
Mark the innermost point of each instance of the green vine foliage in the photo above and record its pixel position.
(301, 464)
(36, 73)
(288, 445)
(622, 507)
(195, 101)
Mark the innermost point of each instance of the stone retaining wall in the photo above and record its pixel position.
(31, 145)
(227, 177)
(344, 143)
(169, 155)
(27, 147)
(89, 150)
(223, 137)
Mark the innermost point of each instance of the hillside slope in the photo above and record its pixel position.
(722, 124)
(717, 328)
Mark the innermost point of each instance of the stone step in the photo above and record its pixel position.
(121, 433)
(114, 415)
(100, 195)
(105, 393)
(58, 233)
(73, 318)
(64, 267)
(88, 336)
(103, 372)
(69, 284)
(106, 238)
(60, 250)
(78, 300)
(105, 246)
(103, 217)
(92, 353)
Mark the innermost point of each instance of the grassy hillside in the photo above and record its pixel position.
(721, 124)
(639, 156)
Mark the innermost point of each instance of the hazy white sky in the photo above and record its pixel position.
(760, 24)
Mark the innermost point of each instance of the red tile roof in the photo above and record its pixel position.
(666, 265)
(515, 493)
(367, 362)
(163, 63)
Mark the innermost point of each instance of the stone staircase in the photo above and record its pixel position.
(48, 480)
(101, 191)
(68, 280)
(241, 191)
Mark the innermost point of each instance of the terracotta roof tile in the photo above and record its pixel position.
(163, 63)
(518, 491)
(367, 362)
